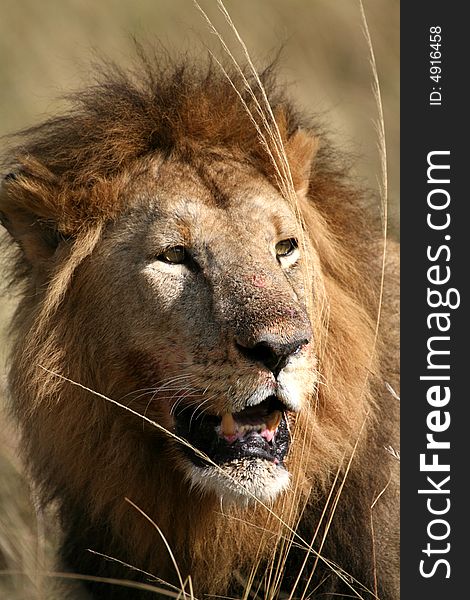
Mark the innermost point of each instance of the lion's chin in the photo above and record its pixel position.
(241, 481)
(239, 457)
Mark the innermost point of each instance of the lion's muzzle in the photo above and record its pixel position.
(247, 448)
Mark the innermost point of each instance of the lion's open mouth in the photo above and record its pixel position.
(257, 432)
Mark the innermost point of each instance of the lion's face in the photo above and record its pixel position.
(201, 286)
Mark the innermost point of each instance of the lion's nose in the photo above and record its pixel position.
(273, 351)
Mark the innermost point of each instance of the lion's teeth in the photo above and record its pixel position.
(228, 425)
(231, 429)
(272, 422)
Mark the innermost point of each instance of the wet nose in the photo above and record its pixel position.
(273, 351)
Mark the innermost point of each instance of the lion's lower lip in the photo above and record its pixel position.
(258, 433)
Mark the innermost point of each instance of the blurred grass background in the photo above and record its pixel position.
(45, 51)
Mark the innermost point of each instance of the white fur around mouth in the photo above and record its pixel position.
(246, 451)
(241, 481)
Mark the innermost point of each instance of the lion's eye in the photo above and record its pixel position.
(286, 247)
(175, 256)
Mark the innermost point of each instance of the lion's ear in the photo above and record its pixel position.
(301, 148)
(28, 221)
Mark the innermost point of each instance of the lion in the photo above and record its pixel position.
(206, 341)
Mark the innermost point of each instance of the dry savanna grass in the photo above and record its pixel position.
(326, 62)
